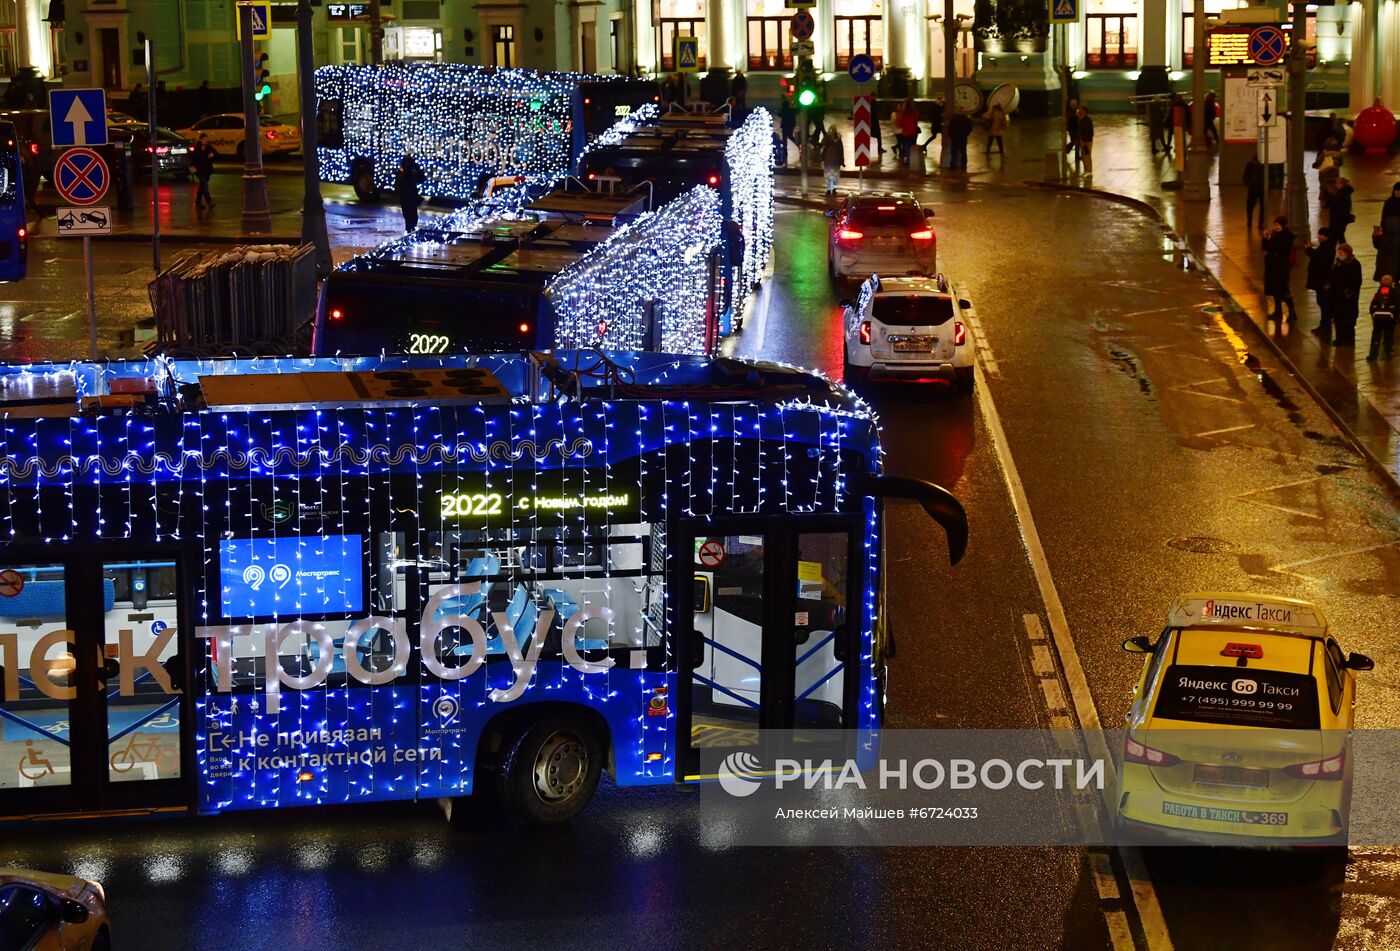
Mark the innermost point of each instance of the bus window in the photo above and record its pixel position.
(728, 675)
(820, 628)
(330, 124)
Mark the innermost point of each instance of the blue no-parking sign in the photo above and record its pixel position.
(1267, 45)
(862, 68)
(80, 175)
(802, 25)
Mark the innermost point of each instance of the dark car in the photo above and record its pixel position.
(171, 152)
(36, 150)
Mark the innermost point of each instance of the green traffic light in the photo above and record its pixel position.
(806, 97)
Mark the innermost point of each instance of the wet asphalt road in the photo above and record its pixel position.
(1153, 463)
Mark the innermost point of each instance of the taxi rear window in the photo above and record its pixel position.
(914, 309)
(898, 216)
(1239, 696)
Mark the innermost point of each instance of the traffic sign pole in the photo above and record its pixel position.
(91, 298)
(257, 216)
(1196, 186)
(1297, 105)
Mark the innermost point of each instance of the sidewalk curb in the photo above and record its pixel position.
(1372, 460)
(187, 238)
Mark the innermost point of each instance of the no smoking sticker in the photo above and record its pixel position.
(11, 583)
(711, 554)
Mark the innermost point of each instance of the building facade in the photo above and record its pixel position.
(100, 42)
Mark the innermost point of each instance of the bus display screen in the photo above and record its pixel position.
(548, 495)
(291, 575)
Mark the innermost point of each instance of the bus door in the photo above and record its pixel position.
(768, 631)
(92, 665)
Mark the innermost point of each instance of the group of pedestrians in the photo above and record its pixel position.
(1335, 276)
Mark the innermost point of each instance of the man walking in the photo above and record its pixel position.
(1278, 261)
(406, 183)
(202, 161)
(1086, 141)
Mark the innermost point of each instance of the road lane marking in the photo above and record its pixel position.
(1144, 896)
(766, 292)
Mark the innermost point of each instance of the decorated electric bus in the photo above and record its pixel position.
(462, 124)
(261, 583)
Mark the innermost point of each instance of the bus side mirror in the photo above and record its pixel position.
(1357, 661)
(1138, 645)
(701, 597)
(830, 212)
(847, 303)
(964, 303)
(928, 212)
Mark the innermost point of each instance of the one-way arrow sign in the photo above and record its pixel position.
(79, 117)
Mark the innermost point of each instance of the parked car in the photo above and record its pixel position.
(44, 910)
(912, 329)
(225, 133)
(171, 151)
(881, 234)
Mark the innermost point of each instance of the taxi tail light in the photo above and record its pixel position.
(959, 334)
(849, 236)
(33, 148)
(270, 134)
(1330, 768)
(924, 235)
(865, 332)
(1135, 752)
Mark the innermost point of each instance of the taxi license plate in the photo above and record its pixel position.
(1232, 776)
(913, 344)
(1248, 817)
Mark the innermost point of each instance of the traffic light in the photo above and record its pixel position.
(806, 84)
(262, 85)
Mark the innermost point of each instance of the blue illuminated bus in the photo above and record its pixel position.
(14, 225)
(260, 583)
(463, 124)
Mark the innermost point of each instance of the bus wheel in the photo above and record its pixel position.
(362, 178)
(549, 771)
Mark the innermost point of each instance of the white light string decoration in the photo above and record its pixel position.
(749, 154)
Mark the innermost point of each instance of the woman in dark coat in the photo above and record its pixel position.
(1278, 260)
(1385, 238)
(1345, 295)
(1321, 257)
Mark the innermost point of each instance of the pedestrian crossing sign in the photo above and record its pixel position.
(687, 54)
(1065, 11)
(262, 19)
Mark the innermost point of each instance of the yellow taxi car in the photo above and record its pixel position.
(47, 912)
(1240, 728)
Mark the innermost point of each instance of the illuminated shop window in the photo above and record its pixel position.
(1111, 34)
(675, 18)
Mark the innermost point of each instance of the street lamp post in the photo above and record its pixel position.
(313, 212)
(1197, 184)
(950, 79)
(257, 216)
(1297, 193)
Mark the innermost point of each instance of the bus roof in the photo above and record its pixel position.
(1247, 611)
(77, 389)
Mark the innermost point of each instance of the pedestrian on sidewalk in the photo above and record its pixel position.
(1321, 257)
(833, 157)
(1177, 119)
(787, 116)
(202, 161)
(779, 147)
(1339, 210)
(1344, 295)
(1278, 261)
(1254, 175)
(1391, 207)
(1157, 119)
(959, 128)
(1212, 136)
(1329, 168)
(909, 128)
(997, 122)
(1072, 128)
(406, 183)
(1385, 307)
(1385, 238)
(739, 89)
(875, 128)
(1086, 140)
(935, 121)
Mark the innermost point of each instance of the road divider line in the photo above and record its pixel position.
(1149, 910)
